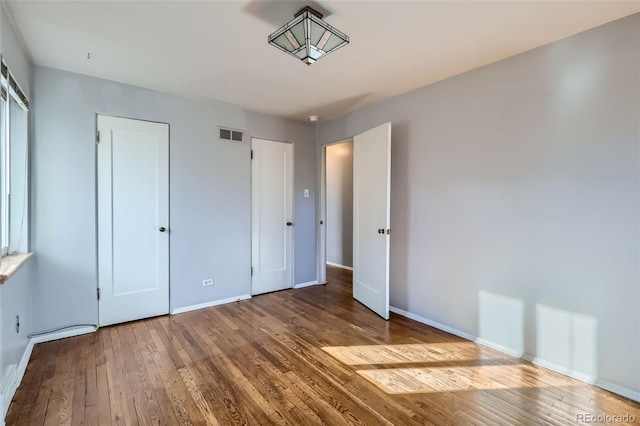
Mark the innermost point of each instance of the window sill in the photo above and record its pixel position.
(11, 264)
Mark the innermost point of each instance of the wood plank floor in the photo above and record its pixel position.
(261, 361)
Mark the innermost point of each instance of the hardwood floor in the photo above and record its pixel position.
(261, 361)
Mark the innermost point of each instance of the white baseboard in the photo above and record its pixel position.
(210, 304)
(8, 390)
(307, 284)
(337, 265)
(432, 323)
(608, 386)
(63, 334)
(578, 375)
(620, 390)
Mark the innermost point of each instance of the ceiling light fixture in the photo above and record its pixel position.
(308, 37)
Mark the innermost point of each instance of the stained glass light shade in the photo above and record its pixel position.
(307, 37)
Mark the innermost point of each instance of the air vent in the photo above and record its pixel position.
(225, 134)
(230, 134)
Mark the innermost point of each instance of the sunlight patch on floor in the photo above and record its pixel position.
(428, 380)
(400, 354)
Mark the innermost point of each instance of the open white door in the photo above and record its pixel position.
(271, 216)
(371, 207)
(133, 219)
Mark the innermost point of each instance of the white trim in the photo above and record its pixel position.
(24, 361)
(432, 323)
(587, 378)
(9, 390)
(337, 265)
(321, 215)
(63, 334)
(608, 386)
(321, 208)
(210, 304)
(308, 284)
(14, 379)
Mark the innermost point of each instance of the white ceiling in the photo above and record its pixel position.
(218, 49)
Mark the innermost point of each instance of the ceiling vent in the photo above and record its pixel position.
(226, 134)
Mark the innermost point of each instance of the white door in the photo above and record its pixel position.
(133, 219)
(371, 206)
(271, 216)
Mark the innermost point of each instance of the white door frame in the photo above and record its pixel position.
(293, 208)
(321, 211)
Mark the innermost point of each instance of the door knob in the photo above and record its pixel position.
(289, 223)
(380, 231)
(162, 229)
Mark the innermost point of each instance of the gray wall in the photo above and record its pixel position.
(15, 293)
(339, 161)
(516, 201)
(209, 193)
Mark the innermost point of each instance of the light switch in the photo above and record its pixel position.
(306, 193)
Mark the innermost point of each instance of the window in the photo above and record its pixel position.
(14, 160)
(4, 167)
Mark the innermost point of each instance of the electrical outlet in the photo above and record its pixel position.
(207, 282)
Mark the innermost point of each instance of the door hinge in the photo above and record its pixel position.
(98, 293)
(252, 271)
(252, 154)
(98, 137)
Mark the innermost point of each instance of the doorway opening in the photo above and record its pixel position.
(339, 199)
